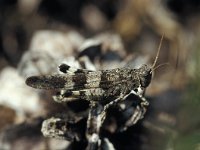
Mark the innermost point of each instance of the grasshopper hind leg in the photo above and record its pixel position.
(64, 96)
(87, 94)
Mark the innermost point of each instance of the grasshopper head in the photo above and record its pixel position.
(145, 75)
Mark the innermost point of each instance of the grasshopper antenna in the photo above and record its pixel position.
(160, 65)
(154, 63)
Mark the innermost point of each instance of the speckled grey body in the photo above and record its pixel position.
(104, 85)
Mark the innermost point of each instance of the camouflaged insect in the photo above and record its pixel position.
(100, 86)
(102, 89)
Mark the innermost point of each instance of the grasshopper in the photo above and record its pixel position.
(103, 89)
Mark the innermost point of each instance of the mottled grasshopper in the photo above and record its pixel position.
(102, 89)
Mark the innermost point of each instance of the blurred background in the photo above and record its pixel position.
(37, 35)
